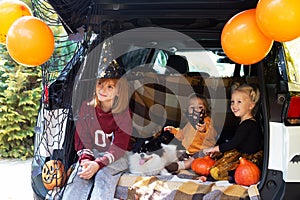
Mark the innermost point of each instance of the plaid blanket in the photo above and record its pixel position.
(181, 186)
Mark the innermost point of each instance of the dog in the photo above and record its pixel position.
(153, 143)
(152, 163)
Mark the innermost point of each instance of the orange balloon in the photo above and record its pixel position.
(10, 11)
(242, 41)
(280, 19)
(30, 41)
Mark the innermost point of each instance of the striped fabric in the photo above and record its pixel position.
(181, 186)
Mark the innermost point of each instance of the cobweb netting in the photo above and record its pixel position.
(55, 127)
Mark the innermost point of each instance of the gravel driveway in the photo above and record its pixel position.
(15, 181)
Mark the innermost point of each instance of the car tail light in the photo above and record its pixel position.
(293, 111)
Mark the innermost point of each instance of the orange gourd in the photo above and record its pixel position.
(247, 173)
(202, 166)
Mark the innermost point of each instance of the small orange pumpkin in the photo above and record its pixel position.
(53, 174)
(202, 166)
(247, 173)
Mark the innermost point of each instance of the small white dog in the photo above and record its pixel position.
(149, 164)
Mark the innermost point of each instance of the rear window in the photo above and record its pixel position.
(212, 62)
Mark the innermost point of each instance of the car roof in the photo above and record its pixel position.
(202, 20)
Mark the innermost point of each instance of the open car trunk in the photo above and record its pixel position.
(141, 35)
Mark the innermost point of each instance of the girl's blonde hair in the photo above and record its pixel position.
(121, 100)
(252, 91)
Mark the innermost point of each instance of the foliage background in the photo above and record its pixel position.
(294, 52)
(21, 89)
(20, 93)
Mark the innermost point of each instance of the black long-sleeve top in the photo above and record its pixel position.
(247, 138)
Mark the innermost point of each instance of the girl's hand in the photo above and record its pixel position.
(201, 127)
(168, 128)
(89, 169)
(171, 129)
(207, 151)
(210, 151)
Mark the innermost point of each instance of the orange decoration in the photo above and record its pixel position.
(202, 166)
(30, 41)
(279, 20)
(242, 40)
(247, 173)
(53, 174)
(10, 11)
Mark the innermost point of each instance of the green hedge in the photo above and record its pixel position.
(20, 94)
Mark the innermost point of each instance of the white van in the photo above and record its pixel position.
(142, 36)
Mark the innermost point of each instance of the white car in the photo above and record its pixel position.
(142, 36)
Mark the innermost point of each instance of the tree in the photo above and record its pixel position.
(20, 95)
(21, 87)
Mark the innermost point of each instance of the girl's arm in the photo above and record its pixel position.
(240, 135)
(82, 152)
(178, 133)
(210, 151)
(82, 132)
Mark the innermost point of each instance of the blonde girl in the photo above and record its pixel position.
(248, 136)
(102, 136)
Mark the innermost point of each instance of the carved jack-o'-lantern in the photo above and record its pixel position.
(53, 174)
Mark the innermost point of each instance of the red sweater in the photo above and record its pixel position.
(106, 132)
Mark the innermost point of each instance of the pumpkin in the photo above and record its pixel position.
(247, 173)
(202, 166)
(53, 174)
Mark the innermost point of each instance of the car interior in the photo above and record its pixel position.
(169, 50)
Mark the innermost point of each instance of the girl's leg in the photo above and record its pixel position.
(106, 180)
(77, 188)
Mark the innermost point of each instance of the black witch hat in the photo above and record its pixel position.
(113, 70)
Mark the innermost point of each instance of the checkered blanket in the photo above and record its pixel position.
(181, 186)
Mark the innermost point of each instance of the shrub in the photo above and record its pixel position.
(20, 94)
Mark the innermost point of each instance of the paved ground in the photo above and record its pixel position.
(15, 181)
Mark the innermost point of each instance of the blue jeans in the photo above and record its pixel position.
(102, 186)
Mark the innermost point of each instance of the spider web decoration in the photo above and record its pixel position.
(55, 127)
(64, 48)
